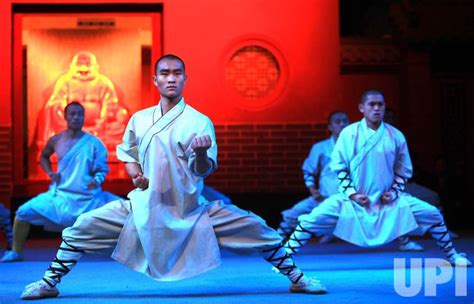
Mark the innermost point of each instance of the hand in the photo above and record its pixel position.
(55, 177)
(92, 184)
(140, 181)
(361, 199)
(387, 197)
(315, 194)
(201, 144)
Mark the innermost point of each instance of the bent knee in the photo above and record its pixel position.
(83, 221)
(427, 210)
(309, 220)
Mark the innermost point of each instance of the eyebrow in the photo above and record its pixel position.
(170, 70)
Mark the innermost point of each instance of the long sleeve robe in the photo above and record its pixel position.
(168, 234)
(369, 162)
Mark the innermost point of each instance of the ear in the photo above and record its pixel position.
(154, 80)
(361, 107)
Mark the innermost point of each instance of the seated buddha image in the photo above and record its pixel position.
(105, 117)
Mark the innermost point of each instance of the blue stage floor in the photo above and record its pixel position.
(351, 274)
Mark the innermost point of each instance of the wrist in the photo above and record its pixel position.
(135, 175)
(97, 180)
(201, 154)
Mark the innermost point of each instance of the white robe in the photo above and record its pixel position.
(372, 159)
(60, 206)
(168, 234)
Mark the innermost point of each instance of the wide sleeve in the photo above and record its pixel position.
(127, 151)
(100, 168)
(403, 168)
(206, 129)
(340, 161)
(310, 166)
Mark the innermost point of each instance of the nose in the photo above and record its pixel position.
(171, 78)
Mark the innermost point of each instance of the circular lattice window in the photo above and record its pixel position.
(253, 72)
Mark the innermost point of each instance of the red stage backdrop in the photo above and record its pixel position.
(266, 72)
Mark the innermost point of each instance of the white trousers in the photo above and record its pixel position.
(238, 230)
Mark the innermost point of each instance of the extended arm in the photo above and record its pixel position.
(202, 163)
(311, 171)
(402, 172)
(340, 164)
(45, 161)
(135, 172)
(100, 169)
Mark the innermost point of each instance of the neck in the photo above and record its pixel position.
(74, 133)
(373, 125)
(167, 104)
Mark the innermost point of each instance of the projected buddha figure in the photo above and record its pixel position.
(105, 116)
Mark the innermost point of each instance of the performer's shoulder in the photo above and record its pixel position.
(94, 139)
(322, 143)
(393, 130)
(54, 139)
(144, 112)
(189, 110)
(350, 128)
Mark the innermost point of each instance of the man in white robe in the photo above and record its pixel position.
(322, 182)
(165, 230)
(75, 187)
(372, 163)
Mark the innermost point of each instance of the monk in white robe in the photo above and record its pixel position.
(372, 162)
(75, 187)
(320, 180)
(164, 229)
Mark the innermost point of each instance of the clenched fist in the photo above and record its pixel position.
(387, 197)
(361, 199)
(140, 181)
(201, 144)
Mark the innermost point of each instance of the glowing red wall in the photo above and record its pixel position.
(303, 35)
(306, 33)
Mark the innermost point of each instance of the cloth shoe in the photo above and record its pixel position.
(459, 259)
(12, 256)
(411, 246)
(308, 285)
(39, 290)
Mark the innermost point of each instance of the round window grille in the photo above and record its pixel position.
(253, 72)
